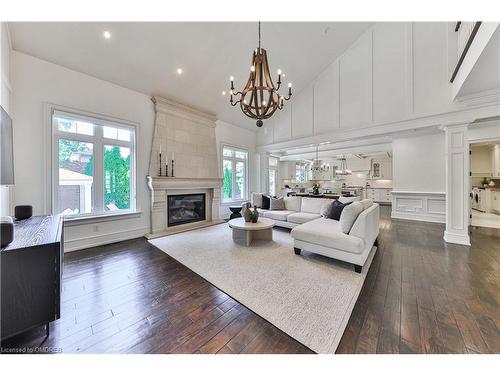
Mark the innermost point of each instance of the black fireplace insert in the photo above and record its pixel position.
(185, 208)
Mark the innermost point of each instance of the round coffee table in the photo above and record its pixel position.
(247, 232)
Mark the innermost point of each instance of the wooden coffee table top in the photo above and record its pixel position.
(262, 223)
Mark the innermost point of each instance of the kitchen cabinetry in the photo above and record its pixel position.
(379, 195)
(495, 202)
(381, 169)
(287, 170)
(495, 162)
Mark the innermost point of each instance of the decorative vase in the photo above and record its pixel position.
(256, 213)
(246, 212)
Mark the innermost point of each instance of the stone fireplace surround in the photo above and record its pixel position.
(189, 135)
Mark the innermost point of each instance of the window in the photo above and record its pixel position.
(273, 175)
(94, 165)
(234, 172)
(300, 172)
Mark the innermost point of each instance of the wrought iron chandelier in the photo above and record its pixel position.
(260, 98)
(317, 165)
(343, 171)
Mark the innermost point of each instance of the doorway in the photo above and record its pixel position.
(484, 182)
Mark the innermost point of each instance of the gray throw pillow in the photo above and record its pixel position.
(349, 215)
(277, 204)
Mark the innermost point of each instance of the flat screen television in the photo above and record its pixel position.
(6, 149)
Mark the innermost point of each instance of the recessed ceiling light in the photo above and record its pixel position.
(223, 93)
(179, 71)
(107, 35)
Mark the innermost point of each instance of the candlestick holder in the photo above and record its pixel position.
(159, 171)
(166, 169)
(173, 167)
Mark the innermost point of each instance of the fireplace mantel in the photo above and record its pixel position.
(186, 135)
(162, 187)
(182, 183)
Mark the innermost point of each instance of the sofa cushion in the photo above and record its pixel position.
(348, 199)
(278, 215)
(266, 202)
(293, 203)
(277, 204)
(301, 217)
(326, 209)
(349, 215)
(312, 205)
(326, 232)
(336, 210)
(257, 199)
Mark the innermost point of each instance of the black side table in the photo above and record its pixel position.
(236, 211)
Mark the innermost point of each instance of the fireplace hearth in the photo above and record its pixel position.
(185, 208)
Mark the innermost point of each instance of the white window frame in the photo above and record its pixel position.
(275, 169)
(98, 142)
(303, 168)
(233, 160)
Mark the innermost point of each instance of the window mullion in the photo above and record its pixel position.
(233, 162)
(99, 171)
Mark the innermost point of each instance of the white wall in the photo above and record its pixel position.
(232, 135)
(5, 100)
(418, 163)
(37, 82)
(396, 71)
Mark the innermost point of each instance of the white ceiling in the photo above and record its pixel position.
(145, 56)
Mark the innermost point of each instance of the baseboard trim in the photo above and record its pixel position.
(103, 239)
(417, 217)
(460, 239)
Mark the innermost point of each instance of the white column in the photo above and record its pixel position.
(457, 175)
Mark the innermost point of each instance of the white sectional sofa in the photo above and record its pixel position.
(314, 233)
(298, 211)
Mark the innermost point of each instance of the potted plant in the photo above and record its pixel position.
(316, 189)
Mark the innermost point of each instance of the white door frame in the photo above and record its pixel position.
(458, 137)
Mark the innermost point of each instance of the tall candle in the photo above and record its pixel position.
(172, 155)
(160, 148)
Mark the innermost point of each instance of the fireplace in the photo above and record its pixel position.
(185, 208)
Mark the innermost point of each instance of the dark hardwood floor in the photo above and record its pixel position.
(420, 296)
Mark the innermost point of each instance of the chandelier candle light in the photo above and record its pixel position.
(318, 165)
(260, 98)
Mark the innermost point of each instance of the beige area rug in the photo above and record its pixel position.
(309, 297)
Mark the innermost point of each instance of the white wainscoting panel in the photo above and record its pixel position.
(420, 206)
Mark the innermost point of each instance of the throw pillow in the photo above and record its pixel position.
(336, 209)
(367, 203)
(266, 202)
(326, 209)
(257, 199)
(277, 204)
(349, 215)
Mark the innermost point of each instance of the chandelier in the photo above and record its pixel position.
(343, 171)
(260, 98)
(317, 165)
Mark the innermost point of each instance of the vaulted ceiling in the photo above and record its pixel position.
(145, 56)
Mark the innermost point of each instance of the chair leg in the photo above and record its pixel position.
(297, 250)
(357, 268)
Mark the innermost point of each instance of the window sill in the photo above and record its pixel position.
(232, 203)
(82, 220)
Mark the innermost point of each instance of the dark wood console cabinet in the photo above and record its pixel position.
(31, 268)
